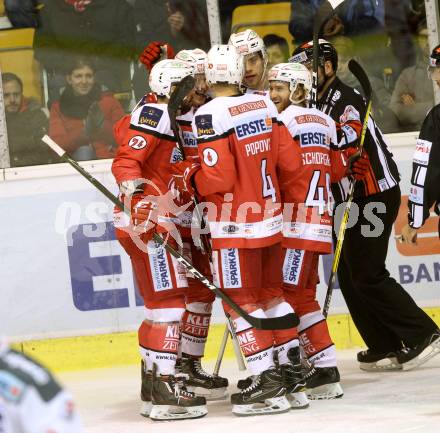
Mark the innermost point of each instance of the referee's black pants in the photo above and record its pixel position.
(384, 313)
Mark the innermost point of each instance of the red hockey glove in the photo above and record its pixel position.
(153, 52)
(358, 165)
(183, 173)
(144, 214)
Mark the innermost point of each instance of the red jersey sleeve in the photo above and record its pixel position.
(135, 146)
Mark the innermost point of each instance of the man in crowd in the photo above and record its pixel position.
(26, 123)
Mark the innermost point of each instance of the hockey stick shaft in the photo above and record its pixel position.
(236, 345)
(360, 74)
(221, 351)
(283, 322)
(229, 330)
(180, 92)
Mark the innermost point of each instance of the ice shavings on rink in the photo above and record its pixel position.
(373, 403)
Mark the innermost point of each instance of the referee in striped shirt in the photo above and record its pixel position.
(425, 178)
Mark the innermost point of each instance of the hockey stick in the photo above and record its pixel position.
(324, 11)
(229, 330)
(361, 76)
(177, 96)
(284, 322)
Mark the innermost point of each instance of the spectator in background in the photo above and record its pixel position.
(82, 120)
(413, 94)
(183, 24)
(226, 9)
(22, 13)
(99, 28)
(26, 123)
(378, 71)
(277, 49)
(402, 18)
(350, 18)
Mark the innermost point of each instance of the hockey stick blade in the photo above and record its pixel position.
(285, 322)
(179, 93)
(357, 70)
(176, 99)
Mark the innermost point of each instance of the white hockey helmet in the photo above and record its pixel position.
(248, 42)
(166, 73)
(294, 74)
(224, 65)
(195, 58)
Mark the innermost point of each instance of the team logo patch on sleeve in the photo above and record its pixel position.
(137, 142)
(150, 116)
(350, 113)
(204, 125)
(210, 157)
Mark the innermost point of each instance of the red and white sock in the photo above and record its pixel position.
(315, 340)
(159, 339)
(256, 344)
(284, 339)
(194, 328)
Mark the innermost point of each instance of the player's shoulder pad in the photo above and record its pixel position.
(151, 117)
(204, 125)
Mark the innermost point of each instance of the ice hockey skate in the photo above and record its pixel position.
(265, 395)
(294, 380)
(171, 400)
(147, 379)
(369, 361)
(200, 382)
(323, 383)
(412, 357)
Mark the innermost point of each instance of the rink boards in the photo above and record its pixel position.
(65, 275)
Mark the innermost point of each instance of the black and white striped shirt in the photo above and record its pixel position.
(347, 108)
(425, 177)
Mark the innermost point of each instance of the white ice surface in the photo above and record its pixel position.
(394, 402)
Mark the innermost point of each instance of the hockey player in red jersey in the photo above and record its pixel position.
(238, 144)
(142, 169)
(198, 298)
(250, 45)
(307, 229)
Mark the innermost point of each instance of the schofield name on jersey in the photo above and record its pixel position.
(318, 158)
(253, 127)
(150, 116)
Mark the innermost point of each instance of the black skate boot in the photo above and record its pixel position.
(266, 395)
(201, 382)
(323, 383)
(412, 357)
(245, 383)
(146, 385)
(171, 401)
(294, 380)
(370, 361)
